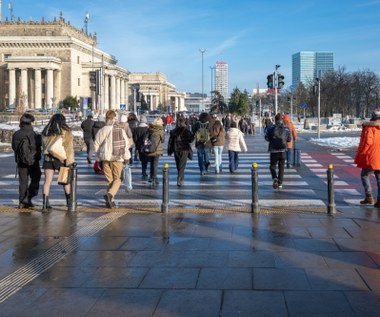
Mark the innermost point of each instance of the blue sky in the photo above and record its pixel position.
(252, 36)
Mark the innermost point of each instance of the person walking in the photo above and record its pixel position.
(157, 137)
(111, 146)
(56, 132)
(202, 141)
(138, 139)
(180, 144)
(278, 135)
(289, 149)
(133, 124)
(217, 138)
(27, 147)
(86, 127)
(368, 157)
(235, 143)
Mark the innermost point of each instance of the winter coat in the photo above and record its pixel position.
(26, 131)
(180, 144)
(292, 129)
(67, 143)
(96, 127)
(368, 153)
(158, 137)
(86, 126)
(128, 131)
(218, 132)
(138, 135)
(235, 140)
(103, 145)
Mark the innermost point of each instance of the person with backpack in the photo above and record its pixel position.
(56, 132)
(27, 147)
(180, 144)
(278, 135)
(235, 143)
(202, 141)
(289, 149)
(138, 138)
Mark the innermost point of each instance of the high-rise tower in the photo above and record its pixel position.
(221, 78)
(306, 66)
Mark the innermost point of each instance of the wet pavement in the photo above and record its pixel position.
(190, 264)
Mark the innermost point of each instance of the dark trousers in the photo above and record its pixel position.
(180, 162)
(277, 159)
(29, 190)
(233, 159)
(153, 165)
(144, 162)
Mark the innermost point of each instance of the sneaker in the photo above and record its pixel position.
(275, 183)
(280, 186)
(203, 173)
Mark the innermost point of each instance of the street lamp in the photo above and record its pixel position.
(202, 51)
(212, 69)
(318, 80)
(275, 84)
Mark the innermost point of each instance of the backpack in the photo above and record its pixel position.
(203, 134)
(148, 145)
(279, 139)
(25, 154)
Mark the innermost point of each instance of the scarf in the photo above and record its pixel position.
(118, 142)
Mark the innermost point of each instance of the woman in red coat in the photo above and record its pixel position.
(368, 157)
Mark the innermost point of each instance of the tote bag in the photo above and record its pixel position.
(64, 175)
(55, 148)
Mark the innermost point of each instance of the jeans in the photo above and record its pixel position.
(203, 159)
(233, 158)
(218, 149)
(367, 183)
(289, 157)
(277, 158)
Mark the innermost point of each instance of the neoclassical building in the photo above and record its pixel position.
(41, 63)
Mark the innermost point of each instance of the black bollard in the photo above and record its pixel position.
(255, 200)
(73, 188)
(331, 210)
(165, 189)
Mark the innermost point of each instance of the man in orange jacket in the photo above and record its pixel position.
(368, 157)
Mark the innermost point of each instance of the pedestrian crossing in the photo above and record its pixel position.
(211, 191)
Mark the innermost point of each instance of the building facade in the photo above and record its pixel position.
(41, 63)
(306, 66)
(221, 78)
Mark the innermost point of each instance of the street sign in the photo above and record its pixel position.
(292, 88)
(303, 105)
(123, 107)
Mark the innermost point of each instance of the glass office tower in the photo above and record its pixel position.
(306, 66)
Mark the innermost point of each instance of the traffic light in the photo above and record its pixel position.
(280, 81)
(270, 81)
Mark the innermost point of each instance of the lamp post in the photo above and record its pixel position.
(275, 84)
(212, 69)
(202, 51)
(319, 107)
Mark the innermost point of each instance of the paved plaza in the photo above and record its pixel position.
(198, 259)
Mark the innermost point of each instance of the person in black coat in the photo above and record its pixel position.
(87, 126)
(138, 138)
(180, 144)
(25, 172)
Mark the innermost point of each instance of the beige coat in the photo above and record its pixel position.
(235, 141)
(67, 142)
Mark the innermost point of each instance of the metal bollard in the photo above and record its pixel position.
(330, 190)
(165, 189)
(73, 188)
(255, 200)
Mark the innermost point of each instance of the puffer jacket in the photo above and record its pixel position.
(235, 141)
(368, 153)
(292, 129)
(158, 137)
(103, 145)
(67, 143)
(26, 131)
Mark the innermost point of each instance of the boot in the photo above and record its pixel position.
(68, 199)
(367, 200)
(45, 204)
(377, 204)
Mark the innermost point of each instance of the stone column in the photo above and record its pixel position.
(106, 93)
(57, 87)
(37, 88)
(117, 93)
(24, 87)
(122, 91)
(12, 87)
(50, 88)
(113, 92)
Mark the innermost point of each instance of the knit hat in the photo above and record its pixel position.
(143, 119)
(123, 118)
(375, 114)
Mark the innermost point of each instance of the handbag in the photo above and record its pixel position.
(55, 148)
(64, 175)
(127, 178)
